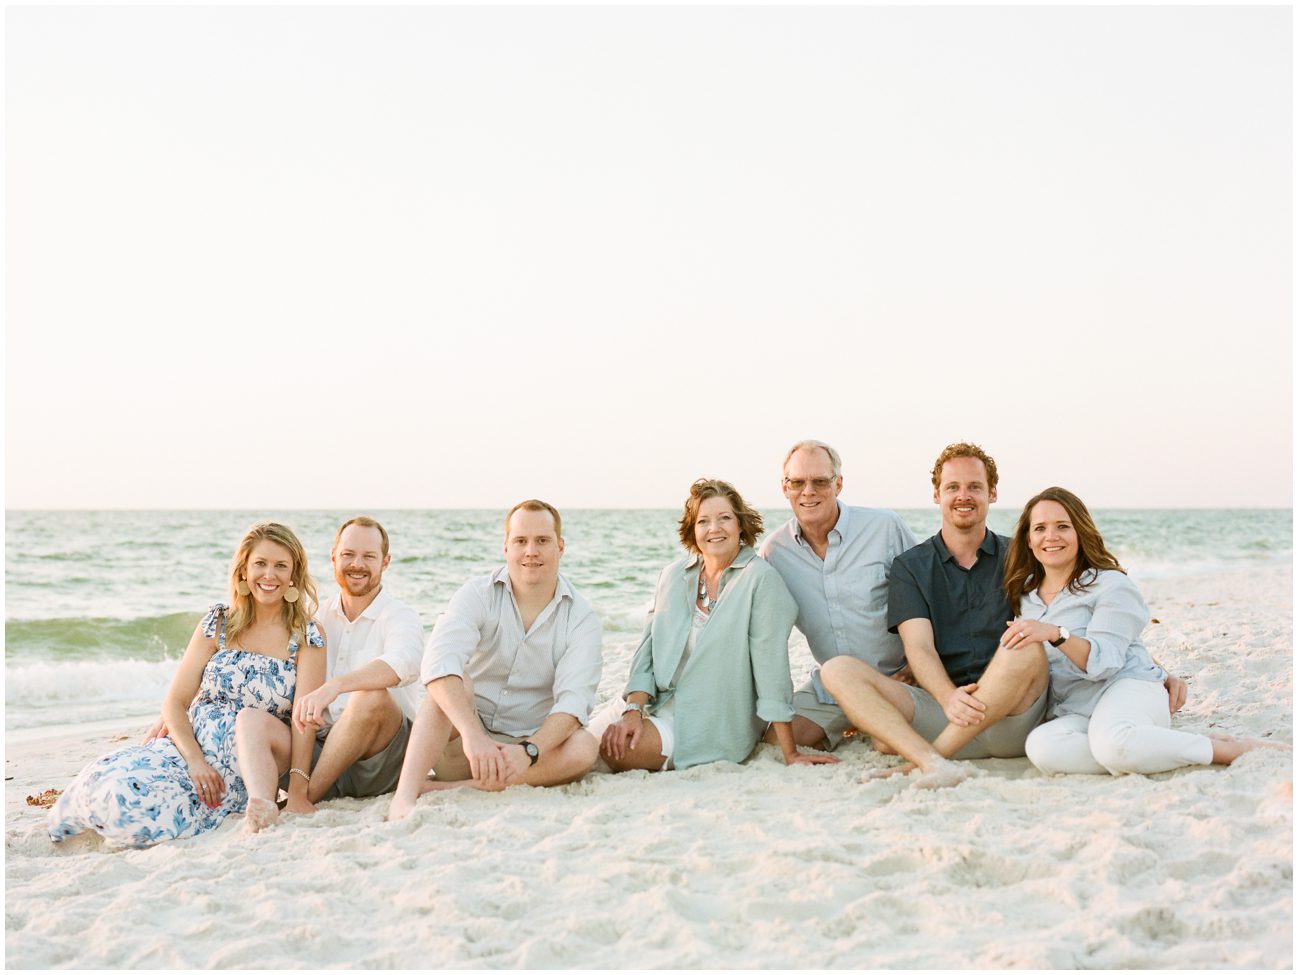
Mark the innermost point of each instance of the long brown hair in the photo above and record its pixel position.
(1023, 572)
(295, 615)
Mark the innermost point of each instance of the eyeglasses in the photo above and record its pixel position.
(796, 484)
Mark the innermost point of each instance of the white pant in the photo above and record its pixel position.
(1130, 731)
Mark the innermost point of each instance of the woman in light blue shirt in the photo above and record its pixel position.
(1109, 708)
(712, 670)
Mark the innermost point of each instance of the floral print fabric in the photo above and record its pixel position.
(142, 794)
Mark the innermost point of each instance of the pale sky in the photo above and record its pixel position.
(453, 257)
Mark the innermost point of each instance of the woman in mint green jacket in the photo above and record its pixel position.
(712, 670)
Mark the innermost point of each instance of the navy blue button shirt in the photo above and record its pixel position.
(967, 607)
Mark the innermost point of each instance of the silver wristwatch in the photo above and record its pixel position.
(642, 708)
(1063, 636)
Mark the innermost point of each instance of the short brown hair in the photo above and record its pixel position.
(750, 522)
(532, 504)
(963, 449)
(365, 521)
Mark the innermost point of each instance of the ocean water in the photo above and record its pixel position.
(100, 604)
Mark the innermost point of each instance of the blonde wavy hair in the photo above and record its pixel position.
(295, 615)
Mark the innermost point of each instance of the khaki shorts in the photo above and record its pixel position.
(1004, 739)
(453, 766)
(373, 776)
(829, 717)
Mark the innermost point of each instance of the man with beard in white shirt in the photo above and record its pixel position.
(370, 696)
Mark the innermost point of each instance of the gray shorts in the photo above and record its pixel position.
(1004, 739)
(369, 777)
(830, 717)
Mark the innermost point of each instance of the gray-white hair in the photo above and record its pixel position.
(834, 459)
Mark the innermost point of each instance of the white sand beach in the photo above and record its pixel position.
(754, 866)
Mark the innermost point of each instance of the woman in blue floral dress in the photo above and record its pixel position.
(244, 663)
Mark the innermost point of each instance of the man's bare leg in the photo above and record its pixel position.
(881, 707)
(428, 738)
(1010, 685)
(368, 724)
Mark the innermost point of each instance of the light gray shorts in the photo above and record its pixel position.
(373, 776)
(808, 702)
(1004, 739)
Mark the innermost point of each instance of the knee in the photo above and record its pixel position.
(1025, 664)
(1111, 744)
(583, 750)
(838, 672)
(368, 707)
(1040, 753)
(251, 721)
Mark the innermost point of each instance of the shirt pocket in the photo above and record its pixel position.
(867, 587)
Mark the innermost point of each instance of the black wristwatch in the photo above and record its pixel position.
(533, 752)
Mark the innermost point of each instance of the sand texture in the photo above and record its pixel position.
(757, 866)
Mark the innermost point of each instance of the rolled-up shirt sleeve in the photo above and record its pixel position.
(403, 645)
(1119, 617)
(455, 636)
(769, 623)
(577, 671)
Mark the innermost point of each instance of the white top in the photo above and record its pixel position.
(519, 679)
(386, 630)
(1109, 613)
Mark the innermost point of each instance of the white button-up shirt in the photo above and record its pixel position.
(519, 678)
(386, 630)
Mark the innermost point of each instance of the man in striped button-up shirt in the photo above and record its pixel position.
(511, 672)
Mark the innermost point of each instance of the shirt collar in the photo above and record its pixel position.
(375, 607)
(840, 526)
(334, 605)
(563, 590)
(988, 546)
(746, 555)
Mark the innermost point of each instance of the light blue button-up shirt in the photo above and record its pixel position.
(843, 600)
(1111, 615)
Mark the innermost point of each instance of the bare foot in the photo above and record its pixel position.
(261, 813)
(1226, 749)
(943, 775)
(887, 773)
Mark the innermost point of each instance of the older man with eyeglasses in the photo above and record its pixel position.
(836, 561)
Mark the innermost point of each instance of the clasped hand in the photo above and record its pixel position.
(492, 765)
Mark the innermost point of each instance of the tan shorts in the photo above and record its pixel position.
(1004, 739)
(829, 717)
(453, 766)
